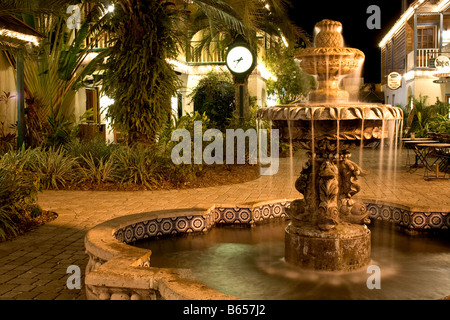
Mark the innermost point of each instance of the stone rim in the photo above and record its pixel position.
(346, 111)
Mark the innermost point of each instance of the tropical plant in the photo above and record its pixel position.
(422, 115)
(57, 65)
(96, 148)
(214, 97)
(7, 139)
(97, 170)
(19, 188)
(290, 83)
(54, 167)
(138, 77)
(136, 165)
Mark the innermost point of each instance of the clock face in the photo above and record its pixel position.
(239, 59)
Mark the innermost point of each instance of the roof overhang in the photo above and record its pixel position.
(18, 32)
(437, 8)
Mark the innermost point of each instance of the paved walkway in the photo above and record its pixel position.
(34, 265)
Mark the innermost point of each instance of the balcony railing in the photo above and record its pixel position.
(424, 56)
(204, 56)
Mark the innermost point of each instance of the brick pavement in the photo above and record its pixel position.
(34, 265)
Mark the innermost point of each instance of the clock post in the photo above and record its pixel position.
(241, 61)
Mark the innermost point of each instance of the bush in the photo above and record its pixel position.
(97, 170)
(214, 96)
(136, 165)
(18, 192)
(97, 149)
(54, 167)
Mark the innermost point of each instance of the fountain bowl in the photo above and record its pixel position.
(351, 124)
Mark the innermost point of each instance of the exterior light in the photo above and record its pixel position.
(19, 36)
(405, 17)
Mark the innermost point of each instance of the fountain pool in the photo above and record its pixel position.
(249, 264)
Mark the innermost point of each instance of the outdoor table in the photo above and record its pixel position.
(419, 161)
(441, 153)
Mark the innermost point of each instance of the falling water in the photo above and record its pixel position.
(391, 136)
(291, 149)
(381, 159)
(361, 147)
(313, 158)
(396, 138)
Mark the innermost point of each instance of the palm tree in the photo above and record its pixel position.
(138, 77)
(54, 67)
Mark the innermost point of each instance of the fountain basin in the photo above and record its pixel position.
(118, 270)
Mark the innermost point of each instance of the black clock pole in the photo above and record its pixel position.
(241, 76)
(241, 101)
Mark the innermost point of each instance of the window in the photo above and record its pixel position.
(426, 37)
(92, 102)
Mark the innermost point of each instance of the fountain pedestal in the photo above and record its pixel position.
(345, 248)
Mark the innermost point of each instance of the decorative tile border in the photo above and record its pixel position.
(225, 215)
(258, 213)
(412, 219)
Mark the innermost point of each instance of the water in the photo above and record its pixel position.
(249, 264)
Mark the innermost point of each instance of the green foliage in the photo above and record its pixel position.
(424, 118)
(97, 170)
(167, 170)
(138, 76)
(54, 167)
(136, 165)
(52, 70)
(18, 192)
(7, 139)
(95, 148)
(214, 96)
(57, 132)
(439, 124)
(290, 83)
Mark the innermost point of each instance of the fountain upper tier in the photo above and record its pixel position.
(334, 117)
(330, 60)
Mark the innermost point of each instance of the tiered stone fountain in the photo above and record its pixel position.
(327, 229)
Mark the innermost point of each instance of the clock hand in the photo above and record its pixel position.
(238, 60)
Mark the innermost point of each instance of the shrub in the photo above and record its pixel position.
(54, 167)
(215, 97)
(97, 170)
(96, 148)
(18, 192)
(136, 165)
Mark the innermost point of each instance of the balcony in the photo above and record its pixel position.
(423, 58)
(204, 56)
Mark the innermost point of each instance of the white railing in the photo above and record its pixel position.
(205, 56)
(424, 56)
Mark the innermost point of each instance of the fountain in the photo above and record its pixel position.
(327, 229)
(186, 254)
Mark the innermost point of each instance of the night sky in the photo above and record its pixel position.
(354, 18)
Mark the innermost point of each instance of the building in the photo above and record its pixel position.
(410, 47)
(190, 68)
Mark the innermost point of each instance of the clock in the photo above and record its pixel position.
(240, 59)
